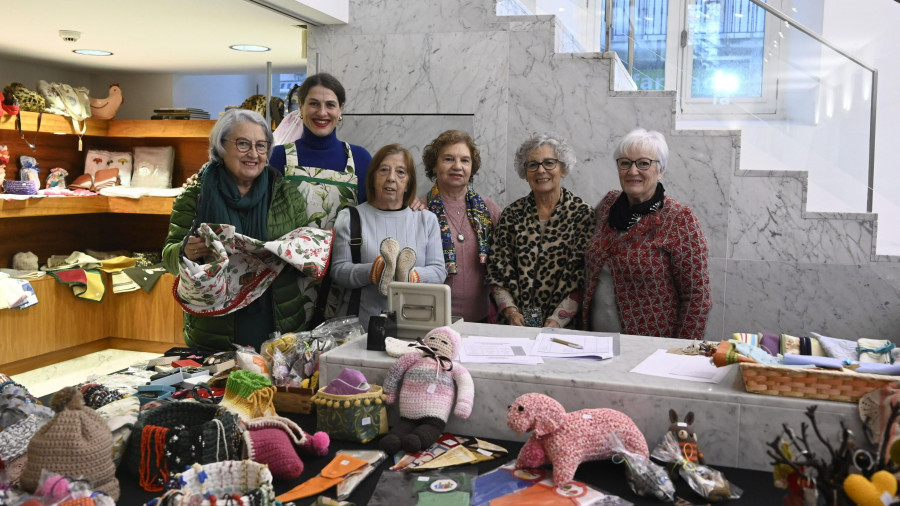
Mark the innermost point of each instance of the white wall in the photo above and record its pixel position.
(213, 92)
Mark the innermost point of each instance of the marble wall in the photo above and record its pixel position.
(414, 69)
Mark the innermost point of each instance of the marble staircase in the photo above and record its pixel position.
(413, 70)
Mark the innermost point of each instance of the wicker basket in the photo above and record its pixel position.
(810, 383)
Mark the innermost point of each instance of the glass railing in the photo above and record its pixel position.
(801, 102)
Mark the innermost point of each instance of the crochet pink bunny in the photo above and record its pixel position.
(426, 396)
(568, 439)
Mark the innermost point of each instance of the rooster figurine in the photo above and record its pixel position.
(105, 108)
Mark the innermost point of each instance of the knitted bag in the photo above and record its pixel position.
(175, 435)
(231, 482)
(358, 417)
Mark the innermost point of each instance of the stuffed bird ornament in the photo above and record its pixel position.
(106, 108)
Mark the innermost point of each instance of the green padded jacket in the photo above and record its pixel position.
(217, 333)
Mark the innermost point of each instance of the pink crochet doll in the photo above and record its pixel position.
(426, 396)
(568, 439)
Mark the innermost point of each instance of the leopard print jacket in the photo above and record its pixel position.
(541, 269)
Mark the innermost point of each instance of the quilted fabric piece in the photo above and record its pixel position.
(242, 268)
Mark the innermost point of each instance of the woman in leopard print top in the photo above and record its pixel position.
(647, 266)
(536, 268)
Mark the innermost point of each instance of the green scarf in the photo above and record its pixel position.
(222, 202)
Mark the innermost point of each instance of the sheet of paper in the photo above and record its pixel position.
(551, 345)
(497, 350)
(685, 367)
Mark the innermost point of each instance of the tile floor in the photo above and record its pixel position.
(49, 379)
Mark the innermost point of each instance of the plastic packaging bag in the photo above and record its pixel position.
(645, 477)
(706, 481)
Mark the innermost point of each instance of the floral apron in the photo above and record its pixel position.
(324, 192)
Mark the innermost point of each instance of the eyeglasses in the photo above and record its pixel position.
(244, 145)
(548, 163)
(640, 163)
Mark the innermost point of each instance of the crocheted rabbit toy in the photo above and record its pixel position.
(685, 436)
(426, 394)
(568, 439)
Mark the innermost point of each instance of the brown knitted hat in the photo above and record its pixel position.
(75, 443)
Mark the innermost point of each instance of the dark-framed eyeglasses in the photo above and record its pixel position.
(640, 163)
(548, 164)
(244, 145)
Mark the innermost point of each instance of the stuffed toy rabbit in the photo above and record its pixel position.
(684, 434)
(426, 394)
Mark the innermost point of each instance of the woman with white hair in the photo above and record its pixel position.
(536, 270)
(647, 265)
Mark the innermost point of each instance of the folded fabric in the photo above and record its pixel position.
(726, 354)
(145, 277)
(30, 297)
(876, 351)
(11, 293)
(105, 178)
(117, 263)
(121, 283)
(23, 273)
(793, 345)
(86, 284)
(751, 339)
(874, 368)
(241, 268)
(827, 362)
(332, 474)
(771, 343)
(843, 349)
(76, 259)
(348, 382)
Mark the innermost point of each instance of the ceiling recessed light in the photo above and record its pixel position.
(249, 47)
(92, 52)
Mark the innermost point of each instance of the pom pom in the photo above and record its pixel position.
(67, 398)
(317, 444)
(55, 487)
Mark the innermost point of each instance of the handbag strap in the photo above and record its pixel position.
(36, 130)
(355, 256)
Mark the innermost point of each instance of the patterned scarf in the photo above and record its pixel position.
(479, 218)
(623, 216)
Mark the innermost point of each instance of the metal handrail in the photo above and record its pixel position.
(870, 193)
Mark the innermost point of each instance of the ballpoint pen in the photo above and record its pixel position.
(565, 343)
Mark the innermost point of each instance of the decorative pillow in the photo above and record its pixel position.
(98, 159)
(843, 349)
(771, 343)
(153, 167)
(751, 339)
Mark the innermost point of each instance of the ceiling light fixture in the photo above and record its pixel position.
(92, 52)
(249, 47)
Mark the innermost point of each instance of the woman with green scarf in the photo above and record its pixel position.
(237, 187)
(465, 218)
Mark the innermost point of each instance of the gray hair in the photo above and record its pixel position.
(564, 153)
(222, 129)
(642, 140)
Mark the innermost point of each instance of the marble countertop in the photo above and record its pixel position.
(613, 374)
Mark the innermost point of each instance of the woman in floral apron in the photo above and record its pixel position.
(328, 173)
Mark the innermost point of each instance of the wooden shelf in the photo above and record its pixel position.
(53, 206)
(54, 123)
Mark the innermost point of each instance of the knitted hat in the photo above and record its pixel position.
(445, 341)
(249, 395)
(276, 441)
(349, 382)
(76, 442)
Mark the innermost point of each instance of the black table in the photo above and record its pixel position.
(605, 475)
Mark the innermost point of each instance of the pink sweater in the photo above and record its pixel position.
(428, 390)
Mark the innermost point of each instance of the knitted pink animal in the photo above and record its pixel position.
(426, 396)
(568, 439)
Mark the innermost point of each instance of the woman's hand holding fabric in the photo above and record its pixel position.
(195, 249)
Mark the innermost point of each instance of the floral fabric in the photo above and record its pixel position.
(242, 268)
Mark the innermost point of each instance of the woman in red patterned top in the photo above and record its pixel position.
(647, 264)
